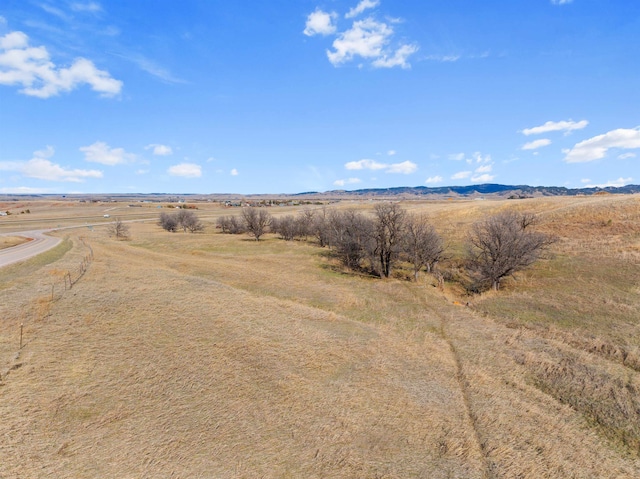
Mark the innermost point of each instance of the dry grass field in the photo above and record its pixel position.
(9, 241)
(215, 356)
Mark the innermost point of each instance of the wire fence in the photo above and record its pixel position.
(43, 305)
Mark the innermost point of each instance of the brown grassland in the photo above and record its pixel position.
(215, 356)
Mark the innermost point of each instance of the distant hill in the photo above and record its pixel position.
(515, 191)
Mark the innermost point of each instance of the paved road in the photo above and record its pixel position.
(39, 244)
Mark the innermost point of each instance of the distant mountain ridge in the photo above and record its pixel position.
(518, 191)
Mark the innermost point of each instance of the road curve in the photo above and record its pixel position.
(39, 244)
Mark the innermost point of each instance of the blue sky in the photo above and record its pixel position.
(208, 96)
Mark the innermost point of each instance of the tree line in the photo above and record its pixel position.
(496, 247)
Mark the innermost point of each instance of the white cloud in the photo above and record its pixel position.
(234, 172)
(461, 175)
(443, 58)
(361, 7)
(585, 180)
(561, 2)
(566, 126)
(321, 23)
(160, 150)
(484, 169)
(142, 172)
(91, 7)
(534, 145)
(370, 40)
(100, 152)
(596, 148)
(398, 58)
(478, 158)
(348, 181)
(151, 67)
(365, 165)
(434, 179)
(32, 69)
(615, 183)
(186, 170)
(391, 152)
(406, 167)
(456, 156)
(39, 167)
(626, 156)
(482, 178)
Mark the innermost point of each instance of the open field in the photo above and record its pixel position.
(214, 356)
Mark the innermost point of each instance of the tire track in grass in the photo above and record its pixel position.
(489, 467)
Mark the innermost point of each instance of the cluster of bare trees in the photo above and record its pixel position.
(380, 241)
(254, 221)
(497, 246)
(183, 219)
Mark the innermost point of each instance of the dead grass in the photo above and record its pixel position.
(215, 356)
(10, 241)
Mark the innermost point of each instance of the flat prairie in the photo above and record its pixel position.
(216, 356)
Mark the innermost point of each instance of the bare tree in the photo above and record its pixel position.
(257, 220)
(350, 234)
(389, 229)
(231, 224)
(285, 226)
(319, 226)
(422, 245)
(188, 221)
(168, 222)
(118, 229)
(305, 223)
(503, 244)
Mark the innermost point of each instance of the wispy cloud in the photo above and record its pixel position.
(434, 179)
(534, 145)
(32, 69)
(484, 178)
(234, 172)
(151, 67)
(597, 147)
(460, 175)
(100, 152)
(186, 170)
(561, 2)
(406, 167)
(613, 183)
(90, 7)
(361, 7)
(443, 58)
(159, 150)
(348, 181)
(566, 126)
